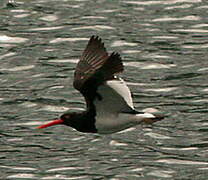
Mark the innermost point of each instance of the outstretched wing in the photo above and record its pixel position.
(93, 57)
(94, 68)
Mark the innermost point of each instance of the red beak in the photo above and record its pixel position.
(52, 123)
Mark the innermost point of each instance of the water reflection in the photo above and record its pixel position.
(9, 39)
(164, 47)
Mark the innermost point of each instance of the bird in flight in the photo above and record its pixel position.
(109, 105)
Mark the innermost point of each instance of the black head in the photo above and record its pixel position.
(81, 121)
(68, 119)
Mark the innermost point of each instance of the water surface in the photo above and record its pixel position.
(163, 44)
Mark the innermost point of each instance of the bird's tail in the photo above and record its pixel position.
(157, 116)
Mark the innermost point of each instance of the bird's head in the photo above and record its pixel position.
(65, 119)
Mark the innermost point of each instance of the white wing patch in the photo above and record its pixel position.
(115, 97)
(122, 89)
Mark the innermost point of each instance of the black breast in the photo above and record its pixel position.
(85, 122)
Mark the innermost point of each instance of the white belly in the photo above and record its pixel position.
(117, 122)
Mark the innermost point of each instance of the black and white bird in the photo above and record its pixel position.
(109, 105)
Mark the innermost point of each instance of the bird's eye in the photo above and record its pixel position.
(67, 116)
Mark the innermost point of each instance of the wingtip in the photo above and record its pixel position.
(95, 44)
(96, 38)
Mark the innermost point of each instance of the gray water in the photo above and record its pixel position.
(163, 44)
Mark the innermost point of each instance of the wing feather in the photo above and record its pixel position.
(94, 68)
(93, 57)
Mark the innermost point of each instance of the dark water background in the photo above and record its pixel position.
(164, 45)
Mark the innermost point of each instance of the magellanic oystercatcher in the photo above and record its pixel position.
(108, 99)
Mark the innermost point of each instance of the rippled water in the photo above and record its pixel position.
(164, 47)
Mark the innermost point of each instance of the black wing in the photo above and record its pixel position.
(94, 68)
